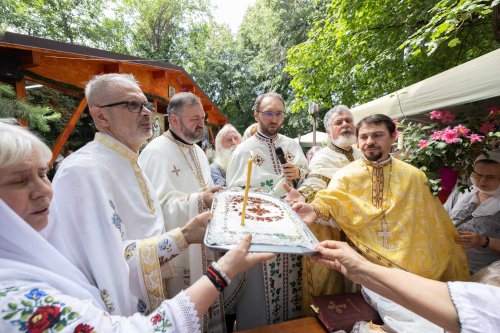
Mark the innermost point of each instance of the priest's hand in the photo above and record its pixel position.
(341, 257)
(240, 260)
(470, 239)
(208, 195)
(291, 171)
(305, 211)
(194, 230)
(293, 195)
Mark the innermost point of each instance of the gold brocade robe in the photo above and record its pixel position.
(388, 212)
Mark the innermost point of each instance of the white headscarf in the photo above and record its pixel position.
(26, 255)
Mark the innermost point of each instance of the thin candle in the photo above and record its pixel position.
(247, 187)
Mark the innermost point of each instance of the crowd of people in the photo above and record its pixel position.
(115, 242)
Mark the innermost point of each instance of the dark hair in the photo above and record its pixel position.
(486, 161)
(178, 101)
(377, 119)
(258, 100)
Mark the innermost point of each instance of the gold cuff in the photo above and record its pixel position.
(180, 241)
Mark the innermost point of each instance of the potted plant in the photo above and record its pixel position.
(447, 147)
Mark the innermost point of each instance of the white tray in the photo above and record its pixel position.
(274, 226)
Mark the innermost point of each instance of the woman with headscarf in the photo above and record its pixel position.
(41, 290)
(476, 214)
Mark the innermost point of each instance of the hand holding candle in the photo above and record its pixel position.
(247, 187)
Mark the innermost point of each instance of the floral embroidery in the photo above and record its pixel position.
(269, 183)
(84, 328)
(105, 299)
(141, 306)
(164, 244)
(289, 157)
(160, 321)
(129, 250)
(116, 219)
(258, 160)
(40, 312)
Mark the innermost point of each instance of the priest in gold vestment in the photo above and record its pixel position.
(387, 211)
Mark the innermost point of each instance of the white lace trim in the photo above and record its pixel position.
(191, 321)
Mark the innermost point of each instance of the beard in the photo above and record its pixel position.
(345, 141)
(270, 132)
(192, 136)
(223, 156)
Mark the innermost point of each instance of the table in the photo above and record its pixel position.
(309, 325)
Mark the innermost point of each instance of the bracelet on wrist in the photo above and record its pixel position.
(486, 242)
(216, 268)
(218, 283)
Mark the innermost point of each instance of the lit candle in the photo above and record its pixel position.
(247, 187)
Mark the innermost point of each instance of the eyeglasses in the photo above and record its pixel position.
(133, 106)
(270, 114)
(488, 178)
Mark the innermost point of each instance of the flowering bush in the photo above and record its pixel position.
(439, 144)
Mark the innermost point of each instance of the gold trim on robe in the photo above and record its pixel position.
(151, 272)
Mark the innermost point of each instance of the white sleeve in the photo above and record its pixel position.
(31, 306)
(477, 306)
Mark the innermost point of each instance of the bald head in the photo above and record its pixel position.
(101, 88)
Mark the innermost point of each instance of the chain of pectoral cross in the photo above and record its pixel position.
(384, 225)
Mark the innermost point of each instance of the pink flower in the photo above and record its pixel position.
(475, 138)
(461, 130)
(156, 319)
(486, 128)
(444, 116)
(436, 135)
(423, 143)
(450, 135)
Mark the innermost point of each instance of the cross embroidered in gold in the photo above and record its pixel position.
(176, 171)
(384, 233)
(337, 307)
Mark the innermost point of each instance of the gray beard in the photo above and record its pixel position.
(222, 158)
(345, 141)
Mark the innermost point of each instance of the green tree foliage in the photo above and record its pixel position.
(362, 50)
(39, 118)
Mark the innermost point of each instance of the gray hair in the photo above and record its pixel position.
(334, 111)
(258, 100)
(101, 86)
(223, 131)
(178, 101)
(17, 144)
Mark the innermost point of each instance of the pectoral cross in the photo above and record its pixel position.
(176, 171)
(384, 233)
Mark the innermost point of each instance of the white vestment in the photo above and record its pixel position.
(273, 293)
(105, 219)
(180, 173)
(323, 166)
(40, 290)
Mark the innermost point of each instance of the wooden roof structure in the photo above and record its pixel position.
(68, 67)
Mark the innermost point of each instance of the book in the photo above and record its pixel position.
(341, 312)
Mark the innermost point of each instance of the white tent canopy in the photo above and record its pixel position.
(306, 140)
(475, 80)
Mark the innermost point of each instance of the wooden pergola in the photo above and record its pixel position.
(67, 67)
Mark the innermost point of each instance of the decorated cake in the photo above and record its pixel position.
(271, 221)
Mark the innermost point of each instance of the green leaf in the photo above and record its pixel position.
(454, 42)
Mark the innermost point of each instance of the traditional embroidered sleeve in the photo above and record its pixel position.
(475, 305)
(37, 307)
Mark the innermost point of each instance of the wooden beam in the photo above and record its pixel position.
(113, 68)
(158, 75)
(28, 59)
(21, 95)
(63, 137)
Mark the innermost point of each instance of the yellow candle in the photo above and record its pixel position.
(247, 187)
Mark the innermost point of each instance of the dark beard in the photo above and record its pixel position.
(269, 134)
(374, 158)
(191, 135)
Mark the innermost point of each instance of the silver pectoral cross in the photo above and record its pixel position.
(384, 233)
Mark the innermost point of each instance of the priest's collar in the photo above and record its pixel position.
(348, 153)
(178, 138)
(263, 137)
(116, 146)
(378, 164)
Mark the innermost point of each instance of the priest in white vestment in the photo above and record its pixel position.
(318, 279)
(180, 174)
(273, 289)
(105, 204)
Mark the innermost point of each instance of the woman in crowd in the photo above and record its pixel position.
(476, 214)
(466, 307)
(41, 290)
